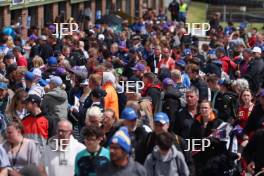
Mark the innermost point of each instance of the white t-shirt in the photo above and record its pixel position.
(59, 162)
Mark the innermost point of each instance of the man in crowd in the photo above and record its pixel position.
(59, 155)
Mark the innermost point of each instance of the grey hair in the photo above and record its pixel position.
(94, 111)
(242, 83)
(66, 121)
(194, 90)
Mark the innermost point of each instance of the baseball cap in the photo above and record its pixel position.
(129, 114)
(139, 67)
(33, 98)
(256, 50)
(161, 117)
(29, 76)
(167, 82)
(79, 72)
(43, 37)
(3, 86)
(52, 61)
(33, 37)
(122, 138)
(56, 80)
(181, 63)
(136, 37)
(8, 56)
(187, 51)
(101, 37)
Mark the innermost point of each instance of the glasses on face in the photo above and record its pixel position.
(63, 131)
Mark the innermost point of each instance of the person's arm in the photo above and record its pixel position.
(42, 170)
(3, 172)
(183, 169)
(149, 165)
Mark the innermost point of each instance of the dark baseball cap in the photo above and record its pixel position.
(33, 98)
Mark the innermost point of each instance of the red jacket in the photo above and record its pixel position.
(36, 128)
(227, 64)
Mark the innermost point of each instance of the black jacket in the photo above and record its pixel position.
(254, 74)
(255, 120)
(254, 150)
(198, 131)
(202, 86)
(171, 102)
(183, 123)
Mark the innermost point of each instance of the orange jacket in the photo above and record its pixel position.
(111, 99)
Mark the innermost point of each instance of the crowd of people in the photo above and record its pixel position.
(64, 111)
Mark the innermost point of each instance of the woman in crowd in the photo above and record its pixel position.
(245, 108)
(21, 151)
(16, 110)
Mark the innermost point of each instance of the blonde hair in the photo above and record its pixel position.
(37, 61)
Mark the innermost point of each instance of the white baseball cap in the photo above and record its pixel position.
(256, 50)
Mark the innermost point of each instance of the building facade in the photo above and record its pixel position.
(37, 13)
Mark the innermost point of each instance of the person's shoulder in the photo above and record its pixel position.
(82, 153)
(105, 152)
(137, 167)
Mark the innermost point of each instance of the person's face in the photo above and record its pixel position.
(92, 120)
(191, 74)
(12, 133)
(91, 84)
(29, 106)
(205, 110)
(257, 55)
(108, 119)
(246, 97)
(92, 143)
(159, 127)
(191, 98)
(3, 93)
(130, 124)
(116, 153)
(113, 49)
(145, 80)
(157, 51)
(2, 65)
(66, 52)
(246, 55)
(10, 61)
(63, 131)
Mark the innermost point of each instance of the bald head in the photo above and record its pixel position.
(65, 124)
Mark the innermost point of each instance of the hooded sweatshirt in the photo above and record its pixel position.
(55, 104)
(173, 164)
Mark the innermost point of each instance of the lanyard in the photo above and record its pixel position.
(14, 160)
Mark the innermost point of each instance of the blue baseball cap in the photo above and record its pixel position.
(3, 85)
(129, 114)
(212, 51)
(29, 76)
(122, 138)
(187, 51)
(181, 63)
(52, 61)
(56, 80)
(162, 118)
